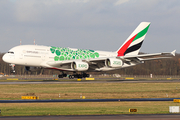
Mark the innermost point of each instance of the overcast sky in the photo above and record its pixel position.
(89, 24)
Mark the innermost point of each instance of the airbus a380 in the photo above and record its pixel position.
(79, 60)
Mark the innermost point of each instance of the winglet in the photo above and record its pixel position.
(173, 52)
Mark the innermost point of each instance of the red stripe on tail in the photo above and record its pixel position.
(125, 46)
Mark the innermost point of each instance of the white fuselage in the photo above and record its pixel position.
(39, 56)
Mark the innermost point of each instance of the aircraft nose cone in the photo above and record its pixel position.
(5, 58)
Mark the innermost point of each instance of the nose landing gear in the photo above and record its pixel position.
(12, 68)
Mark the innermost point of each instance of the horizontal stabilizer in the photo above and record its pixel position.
(173, 52)
(154, 58)
(148, 55)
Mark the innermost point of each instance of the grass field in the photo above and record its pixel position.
(91, 91)
(85, 108)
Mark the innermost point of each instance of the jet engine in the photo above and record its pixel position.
(113, 62)
(80, 66)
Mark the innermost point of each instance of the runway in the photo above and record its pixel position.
(99, 117)
(87, 100)
(84, 81)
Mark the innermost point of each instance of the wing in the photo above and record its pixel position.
(68, 65)
(101, 64)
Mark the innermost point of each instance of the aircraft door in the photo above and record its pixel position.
(21, 56)
(43, 57)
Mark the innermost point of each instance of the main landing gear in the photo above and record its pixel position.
(83, 75)
(75, 75)
(62, 75)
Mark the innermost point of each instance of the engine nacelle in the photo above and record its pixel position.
(113, 62)
(28, 68)
(80, 66)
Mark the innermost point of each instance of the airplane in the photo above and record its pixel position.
(82, 61)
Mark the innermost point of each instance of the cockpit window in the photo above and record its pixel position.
(11, 52)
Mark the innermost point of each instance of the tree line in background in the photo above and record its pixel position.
(155, 67)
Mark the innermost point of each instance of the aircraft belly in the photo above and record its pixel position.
(61, 69)
(29, 62)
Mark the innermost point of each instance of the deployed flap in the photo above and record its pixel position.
(95, 59)
(57, 63)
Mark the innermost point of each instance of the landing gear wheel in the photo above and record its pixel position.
(80, 76)
(84, 75)
(64, 75)
(60, 76)
(71, 77)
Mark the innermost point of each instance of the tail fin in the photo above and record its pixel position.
(133, 43)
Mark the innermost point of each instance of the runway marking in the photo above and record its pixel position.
(88, 100)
